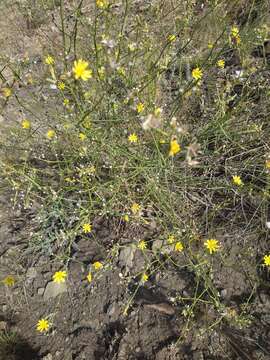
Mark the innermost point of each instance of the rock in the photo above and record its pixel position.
(31, 273)
(40, 291)
(54, 289)
(48, 357)
(158, 245)
(3, 326)
(126, 256)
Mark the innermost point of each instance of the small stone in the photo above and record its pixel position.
(3, 326)
(159, 246)
(48, 357)
(40, 291)
(54, 289)
(126, 256)
(31, 273)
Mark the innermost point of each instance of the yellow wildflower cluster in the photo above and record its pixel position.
(212, 245)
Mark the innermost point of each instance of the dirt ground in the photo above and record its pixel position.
(92, 321)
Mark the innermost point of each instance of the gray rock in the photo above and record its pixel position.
(40, 291)
(31, 273)
(126, 256)
(48, 357)
(160, 246)
(54, 289)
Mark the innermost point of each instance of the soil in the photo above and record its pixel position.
(92, 323)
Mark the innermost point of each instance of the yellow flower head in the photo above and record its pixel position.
(212, 245)
(49, 60)
(178, 246)
(66, 102)
(102, 4)
(144, 278)
(9, 280)
(97, 265)
(89, 277)
(26, 124)
(140, 108)
(221, 63)
(133, 138)
(171, 239)
(61, 85)
(132, 47)
(142, 245)
(234, 31)
(43, 325)
(59, 277)
(135, 208)
(51, 134)
(171, 38)
(174, 148)
(87, 228)
(267, 163)
(266, 260)
(80, 70)
(7, 92)
(237, 180)
(235, 35)
(82, 136)
(210, 45)
(126, 218)
(197, 73)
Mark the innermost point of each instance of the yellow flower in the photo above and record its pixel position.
(7, 92)
(59, 277)
(121, 71)
(197, 73)
(237, 180)
(66, 102)
(234, 31)
(89, 277)
(26, 124)
(178, 246)
(61, 85)
(80, 70)
(102, 4)
(126, 218)
(171, 38)
(49, 60)
(132, 47)
(87, 123)
(50, 134)
(140, 108)
(97, 265)
(144, 278)
(43, 325)
(87, 228)
(267, 164)
(221, 63)
(171, 239)
(235, 35)
(142, 245)
(210, 45)
(9, 280)
(212, 245)
(133, 138)
(82, 136)
(266, 260)
(174, 148)
(135, 208)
